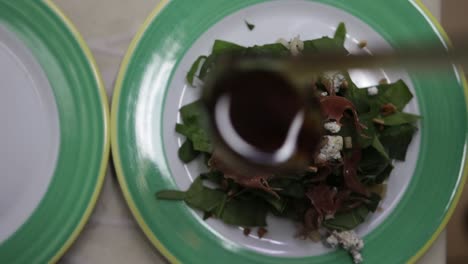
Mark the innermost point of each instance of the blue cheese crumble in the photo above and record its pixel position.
(295, 46)
(373, 91)
(336, 78)
(332, 148)
(333, 127)
(349, 241)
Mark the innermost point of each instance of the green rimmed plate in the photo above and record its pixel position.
(54, 142)
(422, 191)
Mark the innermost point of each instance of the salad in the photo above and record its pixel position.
(366, 130)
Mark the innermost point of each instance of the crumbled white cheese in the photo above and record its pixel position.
(283, 42)
(295, 46)
(324, 94)
(373, 91)
(333, 127)
(332, 241)
(332, 149)
(357, 257)
(300, 43)
(349, 241)
(330, 74)
(337, 79)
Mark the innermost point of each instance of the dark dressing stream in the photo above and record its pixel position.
(260, 118)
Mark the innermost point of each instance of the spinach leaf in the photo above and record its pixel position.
(381, 177)
(247, 213)
(397, 139)
(194, 109)
(219, 211)
(374, 167)
(222, 47)
(193, 70)
(370, 133)
(377, 145)
(372, 162)
(375, 179)
(184, 129)
(275, 49)
(397, 94)
(400, 118)
(236, 211)
(187, 153)
(324, 45)
(207, 66)
(203, 198)
(348, 220)
(277, 204)
(219, 47)
(340, 34)
(201, 141)
(194, 127)
(373, 202)
(170, 195)
(288, 186)
(213, 176)
(369, 107)
(295, 209)
(357, 96)
(196, 134)
(197, 196)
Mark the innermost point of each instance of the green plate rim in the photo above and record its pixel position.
(113, 131)
(61, 242)
(118, 163)
(464, 178)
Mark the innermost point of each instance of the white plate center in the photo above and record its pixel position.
(29, 134)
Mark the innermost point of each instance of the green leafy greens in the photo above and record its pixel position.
(310, 197)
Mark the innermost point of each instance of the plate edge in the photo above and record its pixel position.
(113, 132)
(106, 149)
(464, 174)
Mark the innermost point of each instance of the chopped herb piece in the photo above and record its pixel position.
(249, 25)
(362, 44)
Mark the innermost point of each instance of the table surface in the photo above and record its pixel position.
(112, 235)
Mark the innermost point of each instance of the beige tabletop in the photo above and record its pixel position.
(112, 235)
